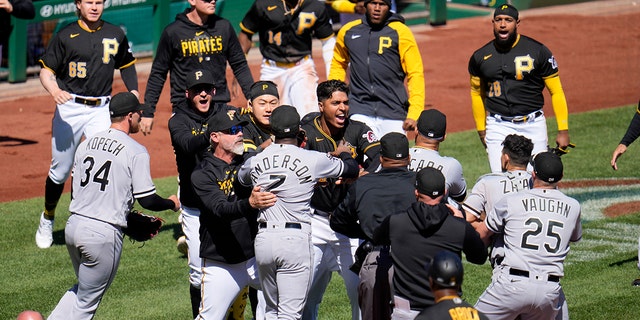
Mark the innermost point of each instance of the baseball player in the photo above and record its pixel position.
(490, 188)
(432, 128)
(633, 132)
(77, 70)
(537, 225)
(264, 98)
(111, 171)
(285, 29)
(197, 39)
(445, 280)
(417, 234)
(381, 53)
(283, 246)
(334, 251)
(227, 223)
(508, 75)
(368, 202)
(187, 127)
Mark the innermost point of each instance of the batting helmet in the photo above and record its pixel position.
(446, 269)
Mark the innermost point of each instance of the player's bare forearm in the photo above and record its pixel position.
(48, 80)
(482, 134)
(562, 139)
(620, 149)
(245, 42)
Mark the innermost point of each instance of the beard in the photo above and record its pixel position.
(507, 43)
(238, 149)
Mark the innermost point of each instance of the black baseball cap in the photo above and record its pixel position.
(394, 145)
(547, 166)
(123, 103)
(199, 76)
(223, 120)
(430, 182)
(285, 122)
(260, 88)
(432, 124)
(506, 9)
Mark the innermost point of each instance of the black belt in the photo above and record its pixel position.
(523, 273)
(287, 225)
(88, 101)
(517, 119)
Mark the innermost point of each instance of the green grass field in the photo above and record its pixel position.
(152, 279)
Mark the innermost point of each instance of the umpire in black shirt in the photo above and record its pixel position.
(368, 202)
(417, 234)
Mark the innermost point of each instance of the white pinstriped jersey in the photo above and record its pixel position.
(293, 173)
(537, 226)
(110, 170)
(494, 186)
(450, 167)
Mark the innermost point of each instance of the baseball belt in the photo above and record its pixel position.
(286, 64)
(90, 101)
(523, 273)
(517, 119)
(287, 225)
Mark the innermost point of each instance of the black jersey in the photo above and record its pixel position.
(451, 307)
(286, 36)
(84, 60)
(361, 141)
(512, 81)
(253, 133)
(185, 46)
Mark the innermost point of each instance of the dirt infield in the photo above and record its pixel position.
(597, 50)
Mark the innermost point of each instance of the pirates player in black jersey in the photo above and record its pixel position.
(264, 98)
(285, 28)
(197, 39)
(334, 251)
(77, 70)
(508, 75)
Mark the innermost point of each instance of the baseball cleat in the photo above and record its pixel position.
(44, 235)
(636, 283)
(181, 245)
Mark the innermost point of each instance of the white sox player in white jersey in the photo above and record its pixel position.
(516, 153)
(432, 127)
(537, 225)
(283, 247)
(111, 171)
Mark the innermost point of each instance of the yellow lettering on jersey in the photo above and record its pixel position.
(464, 313)
(384, 42)
(306, 20)
(523, 64)
(226, 185)
(109, 48)
(201, 46)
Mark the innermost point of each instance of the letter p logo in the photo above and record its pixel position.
(198, 75)
(384, 42)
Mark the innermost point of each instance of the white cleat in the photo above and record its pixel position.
(44, 235)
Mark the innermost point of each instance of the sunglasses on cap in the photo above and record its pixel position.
(233, 130)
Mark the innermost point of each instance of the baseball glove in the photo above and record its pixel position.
(142, 227)
(562, 151)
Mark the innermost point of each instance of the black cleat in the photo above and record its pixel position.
(636, 283)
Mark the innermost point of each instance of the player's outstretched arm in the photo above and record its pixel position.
(155, 202)
(616, 154)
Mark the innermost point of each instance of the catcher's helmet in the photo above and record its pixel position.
(446, 269)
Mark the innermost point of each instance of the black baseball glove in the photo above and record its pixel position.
(562, 151)
(142, 227)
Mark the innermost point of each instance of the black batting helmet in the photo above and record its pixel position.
(446, 269)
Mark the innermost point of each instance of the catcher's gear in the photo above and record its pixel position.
(561, 151)
(142, 227)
